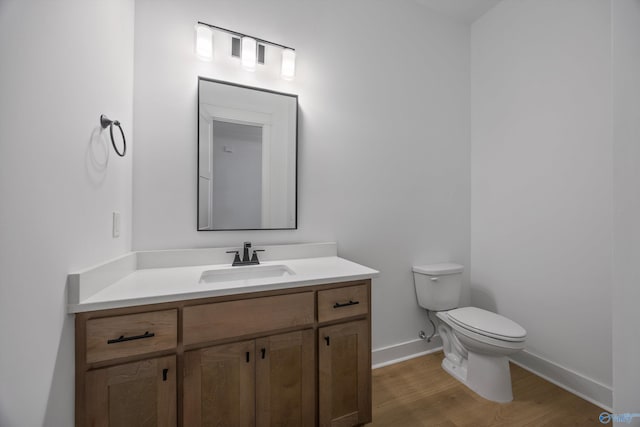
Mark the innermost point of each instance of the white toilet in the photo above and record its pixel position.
(476, 342)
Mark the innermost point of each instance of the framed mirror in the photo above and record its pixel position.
(247, 157)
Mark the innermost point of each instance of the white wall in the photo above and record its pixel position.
(63, 64)
(541, 193)
(626, 158)
(384, 139)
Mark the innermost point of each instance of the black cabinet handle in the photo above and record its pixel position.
(264, 352)
(346, 304)
(165, 371)
(247, 357)
(122, 338)
(328, 340)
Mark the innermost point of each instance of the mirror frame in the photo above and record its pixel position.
(206, 79)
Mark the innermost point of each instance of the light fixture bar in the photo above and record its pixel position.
(259, 40)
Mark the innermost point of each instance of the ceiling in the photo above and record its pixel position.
(465, 11)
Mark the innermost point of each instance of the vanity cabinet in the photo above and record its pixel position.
(344, 374)
(264, 382)
(133, 394)
(129, 335)
(219, 385)
(229, 319)
(285, 379)
(344, 357)
(292, 357)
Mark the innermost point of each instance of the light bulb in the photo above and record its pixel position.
(288, 71)
(249, 53)
(204, 42)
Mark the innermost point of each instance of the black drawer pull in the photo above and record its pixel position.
(122, 338)
(248, 356)
(346, 304)
(165, 371)
(264, 352)
(328, 340)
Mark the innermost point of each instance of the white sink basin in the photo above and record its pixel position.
(245, 273)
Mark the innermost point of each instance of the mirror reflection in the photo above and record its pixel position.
(247, 152)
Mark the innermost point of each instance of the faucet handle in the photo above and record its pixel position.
(236, 259)
(254, 257)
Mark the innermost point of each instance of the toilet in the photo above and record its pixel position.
(476, 342)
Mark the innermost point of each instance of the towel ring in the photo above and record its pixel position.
(106, 122)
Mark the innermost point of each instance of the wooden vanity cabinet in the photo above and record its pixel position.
(133, 394)
(291, 357)
(286, 379)
(344, 374)
(126, 368)
(264, 382)
(344, 356)
(219, 385)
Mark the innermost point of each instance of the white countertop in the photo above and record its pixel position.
(140, 286)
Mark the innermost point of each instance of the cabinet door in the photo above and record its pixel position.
(285, 379)
(135, 394)
(219, 386)
(345, 374)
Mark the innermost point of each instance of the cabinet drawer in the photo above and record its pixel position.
(130, 335)
(210, 322)
(342, 302)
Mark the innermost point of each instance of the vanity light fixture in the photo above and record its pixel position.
(204, 42)
(288, 70)
(249, 53)
(251, 50)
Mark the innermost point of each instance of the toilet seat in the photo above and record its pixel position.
(486, 323)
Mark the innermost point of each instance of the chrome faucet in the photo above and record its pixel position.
(245, 256)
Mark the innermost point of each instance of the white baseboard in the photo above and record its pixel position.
(396, 353)
(584, 387)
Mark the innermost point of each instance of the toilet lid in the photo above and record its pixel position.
(487, 323)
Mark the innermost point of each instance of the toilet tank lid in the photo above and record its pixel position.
(438, 269)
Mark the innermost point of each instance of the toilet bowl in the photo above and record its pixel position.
(476, 342)
(488, 339)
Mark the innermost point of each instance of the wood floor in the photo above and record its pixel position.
(419, 392)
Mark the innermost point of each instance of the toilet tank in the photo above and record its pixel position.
(438, 286)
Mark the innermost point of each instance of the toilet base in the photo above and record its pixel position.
(488, 376)
(457, 371)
